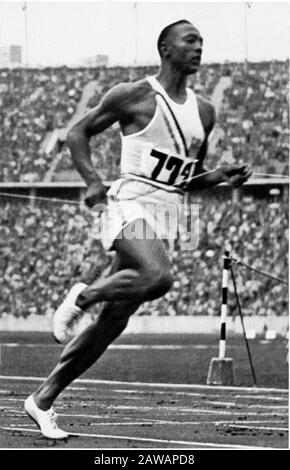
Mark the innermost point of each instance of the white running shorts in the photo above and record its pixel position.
(130, 200)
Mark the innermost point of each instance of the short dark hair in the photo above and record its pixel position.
(165, 32)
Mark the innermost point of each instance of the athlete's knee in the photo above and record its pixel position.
(159, 283)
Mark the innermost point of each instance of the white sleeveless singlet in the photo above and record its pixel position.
(164, 152)
(155, 164)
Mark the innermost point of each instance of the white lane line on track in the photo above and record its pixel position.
(12, 399)
(124, 347)
(147, 420)
(274, 407)
(196, 394)
(133, 347)
(145, 439)
(155, 421)
(181, 423)
(9, 408)
(166, 422)
(237, 422)
(193, 410)
(175, 408)
(264, 428)
(159, 392)
(178, 409)
(162, 407)
(261, 397)
(152, 385)
(232, 404)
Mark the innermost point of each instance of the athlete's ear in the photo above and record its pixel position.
(164, 49)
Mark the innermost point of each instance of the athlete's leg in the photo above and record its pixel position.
(144, 276)
(96, 271)
(145, 262)
(85, 349)
(147, 277)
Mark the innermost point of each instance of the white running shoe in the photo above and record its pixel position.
(66, 314)
(45, 420)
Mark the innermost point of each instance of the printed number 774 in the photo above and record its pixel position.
(173, 163)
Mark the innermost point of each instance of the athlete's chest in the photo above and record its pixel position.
(168, 142)
(155, 108)
(138, 114)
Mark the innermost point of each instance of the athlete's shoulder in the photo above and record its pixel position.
(207, 112)
(128, 92)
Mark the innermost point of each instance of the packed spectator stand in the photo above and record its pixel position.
(254, 117)
(46, 245)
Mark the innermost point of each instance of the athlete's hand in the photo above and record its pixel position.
(96, 194)
(235, 175)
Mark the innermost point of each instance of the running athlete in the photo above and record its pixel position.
(164, 129)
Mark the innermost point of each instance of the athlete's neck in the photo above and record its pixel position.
(173, 82)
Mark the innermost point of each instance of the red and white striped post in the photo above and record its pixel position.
(224, 308)
(221, 368)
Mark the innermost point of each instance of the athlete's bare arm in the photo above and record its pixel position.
(95, 121)
(235, 175)
(130, 104)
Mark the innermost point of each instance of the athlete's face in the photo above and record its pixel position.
(184, 48)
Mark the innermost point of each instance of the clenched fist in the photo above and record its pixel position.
(235, 175)
(96, 194)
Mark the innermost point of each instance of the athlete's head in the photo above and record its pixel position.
(181, 44)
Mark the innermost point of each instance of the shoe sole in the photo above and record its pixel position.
(60, 342)
(55, 338)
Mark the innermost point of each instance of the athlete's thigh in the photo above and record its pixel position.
(140, 253)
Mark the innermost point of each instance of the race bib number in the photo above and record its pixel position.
(168, 169)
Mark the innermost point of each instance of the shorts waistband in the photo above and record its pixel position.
(143, 179)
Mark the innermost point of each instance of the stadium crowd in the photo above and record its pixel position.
(34, 102)
(46, 246)
(255, 117)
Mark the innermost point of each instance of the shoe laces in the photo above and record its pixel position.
(52, 416)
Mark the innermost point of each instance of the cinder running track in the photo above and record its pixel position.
(139, 414)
